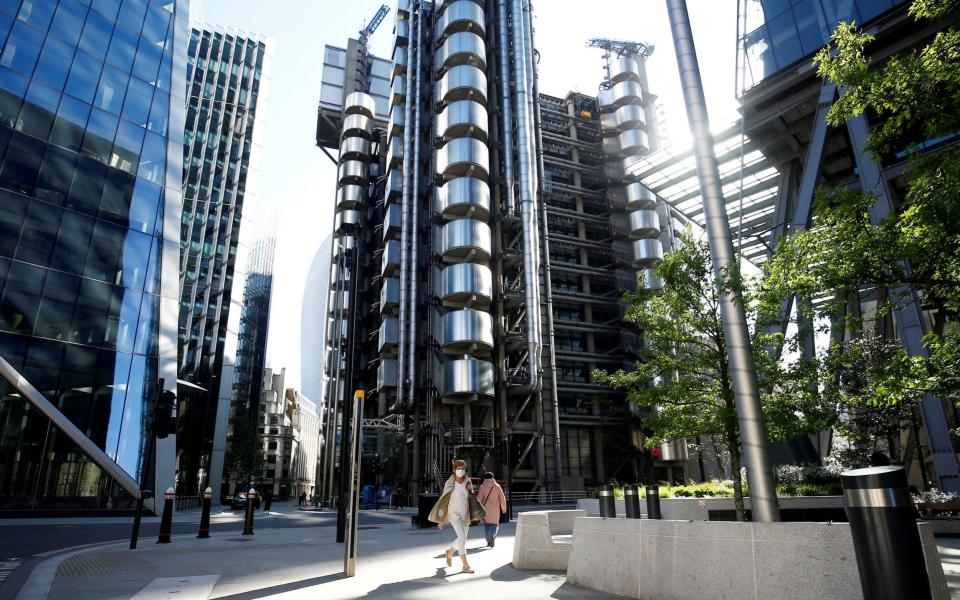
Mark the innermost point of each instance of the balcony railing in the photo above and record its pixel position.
(460, 437)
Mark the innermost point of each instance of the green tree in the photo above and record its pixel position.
(245, 457)
(682, 374)
(913, 102)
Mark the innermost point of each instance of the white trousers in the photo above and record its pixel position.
(461, 527)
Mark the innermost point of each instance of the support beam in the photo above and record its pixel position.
(61, 422)
(908, 314)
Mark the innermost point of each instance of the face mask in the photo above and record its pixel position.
(460, 472)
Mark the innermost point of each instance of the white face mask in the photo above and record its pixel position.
(460, 472)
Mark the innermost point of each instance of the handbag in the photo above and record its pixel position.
(477, 512)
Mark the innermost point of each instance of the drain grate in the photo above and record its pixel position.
(98, 563)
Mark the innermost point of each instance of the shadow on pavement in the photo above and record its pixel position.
(280, 589)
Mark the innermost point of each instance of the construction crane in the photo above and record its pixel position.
(621, 47)
(367, 31)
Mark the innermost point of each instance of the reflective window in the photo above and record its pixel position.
(152, 158)
(131, 15)
(159, 114)
(13, 208)
(54, 63)
(22, 49)
(70, 123)
(56, 308)
(155, 26)
(21, 297)
(98, 139)
(335, 56)
(113, 83)
(22, 162)
(87, 186)
(39, 233)
(56, 174)
(107, 8)
(68, 21)
(12, 89)
(39, 109)
(103, 258)
(90, 315)
(37, 13)
(126, 148)
(143, 206)
(147, 61)
(115, 200)
(123, 49)
(72, 242)
(136, 107)
(786, 42)
(84, 74)
(136, 255)
(96, 34)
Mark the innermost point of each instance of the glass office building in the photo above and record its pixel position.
(775, 34)
(227, 75)
(91, 129)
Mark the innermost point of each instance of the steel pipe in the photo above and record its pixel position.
(506, 122)
(746, 391)
(413, 270)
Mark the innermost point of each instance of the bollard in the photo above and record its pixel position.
(608, 506)
(166, 521)
(205, 515)
(886, 541)
(248, 517)
(631, 500)
(653, 502)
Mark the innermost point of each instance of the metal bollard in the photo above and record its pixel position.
(248, 517)
(631, 500)
(653, 502)
(886, 541)
(166, 521)
(205, 515)
(608, 506)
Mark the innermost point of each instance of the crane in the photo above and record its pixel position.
(367, 31)
(621, 47)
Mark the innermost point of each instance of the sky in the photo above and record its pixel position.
(297, 181)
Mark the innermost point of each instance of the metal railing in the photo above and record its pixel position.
(467, 436)
(550, 497)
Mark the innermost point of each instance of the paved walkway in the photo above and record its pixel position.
(949, 549)
(394, 561)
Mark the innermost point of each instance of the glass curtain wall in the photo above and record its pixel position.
(91, 127)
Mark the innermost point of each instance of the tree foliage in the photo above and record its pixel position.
(245, 458)
(682, 375)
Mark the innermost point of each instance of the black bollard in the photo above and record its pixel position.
(631, 500)
(653, 502)
(205, 515)
(883, 522)
(166, 521)
(248, 517)
(608, 506)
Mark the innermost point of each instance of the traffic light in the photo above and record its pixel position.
(165, 414)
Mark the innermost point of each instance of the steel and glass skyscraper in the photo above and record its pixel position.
(91, 130)
(227, 80)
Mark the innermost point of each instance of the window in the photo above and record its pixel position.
(13, 207)
(37, 13)
(82, 82)
(107, 8)
(72, 242)
(103, 257)
(22, 49)
(87, 186)
(786, 42)
(12, 89)
(143, 206)
(54, 63)
(115, 200)
(56, 174)
(22, 162)
(56, 308)
(96, 34)
(21, 297)
(90, 315)
(70, 123)
(98, 139)
(147, 61)
(135, 259)
(68, 21)
(39, 109)
(126, 147)
(136, 107)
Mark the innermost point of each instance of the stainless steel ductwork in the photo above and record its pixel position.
(466, 285)
(463, 82)
(467, 379)
(463, 198)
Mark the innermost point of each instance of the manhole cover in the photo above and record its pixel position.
(98, 563)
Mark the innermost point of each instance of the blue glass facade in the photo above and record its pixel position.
(782, 32)
(91, 127)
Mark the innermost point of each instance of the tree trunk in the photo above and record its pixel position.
(734, 446)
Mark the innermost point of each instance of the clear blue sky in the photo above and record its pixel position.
(298, 181)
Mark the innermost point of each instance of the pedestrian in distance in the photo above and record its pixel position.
(267, 499)
(494, 503)
(458, 506)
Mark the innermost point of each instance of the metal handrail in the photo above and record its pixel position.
(468, 436)
(550, 497)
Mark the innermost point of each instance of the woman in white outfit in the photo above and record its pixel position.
(454, 508)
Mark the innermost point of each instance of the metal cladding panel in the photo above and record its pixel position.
(466, 240)
(360, 103)
(605, 98)
(396, 124)
(464, 157)
(389, 335)
(634, 141)
(387, 373)
(461, 48)
(462, 119)
(674, 451)
(639, 196)
(463, 197)
(394, 188)
(390, 262)
(467, 377)
(346, 221)
(461, 15)
(399, 60)
(463, 82)
(651, 280)
(465, 329)
(644, 224)
(391, 222)
(395, 152)
(390, 294)
(398, 91)
(647, 253)
(611, 146)
(401, 31)
(354, 148)
(357, 124)
(353, 172)
(350, 197)
(626, 117)
(466, 284)
(626, 92)
(623, 69)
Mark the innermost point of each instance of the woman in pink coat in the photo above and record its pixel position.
(494, 502)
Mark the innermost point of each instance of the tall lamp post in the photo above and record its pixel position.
(753, 433)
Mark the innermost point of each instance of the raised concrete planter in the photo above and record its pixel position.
(680, 560)
(544, 538)
(698, 509)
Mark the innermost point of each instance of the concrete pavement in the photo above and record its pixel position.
(394, 561)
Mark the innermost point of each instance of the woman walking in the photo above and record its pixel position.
(494, 503)
(457, 506)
